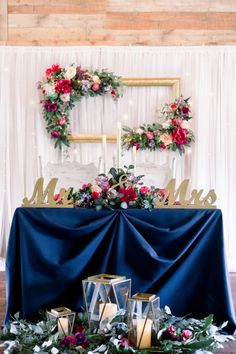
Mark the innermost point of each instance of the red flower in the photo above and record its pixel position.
(185, 110)
(113, 92)
(86, 185)
(96, 195)
(173, 107)
(179, 136)
(162, 146)
(135, 144)
(144, 190)
(57, 197)
(95, 86)
(128, 194)
(54, 68)
(55, 134)
(63, 86)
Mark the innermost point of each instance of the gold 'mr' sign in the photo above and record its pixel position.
(196, 199)
(45, 198)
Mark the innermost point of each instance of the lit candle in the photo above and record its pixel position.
(118, 144)
(107, 310)
(144, 332)
(134, 152)
(104, 153)
(63, 326)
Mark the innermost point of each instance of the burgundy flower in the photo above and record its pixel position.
(128, 194)
(180, 135)
(185, 110)
(63, 86)
(162, 146)
(86, 185)
(79, 72)
(50, 106)
(82, 340)
(113, 92)
(55, 134)
(135, 144)
(68, 341)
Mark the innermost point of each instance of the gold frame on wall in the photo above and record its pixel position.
(174, 83)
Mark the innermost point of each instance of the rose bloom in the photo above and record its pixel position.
(96, 191)
(57, 197)
(166, 138)
(65, 97)
(149, 135)
(129, 194)
(70, 72)
(135, 144)
(55, 134)
(173, 107)
(113, 92)
(86, 185)
(62, 121)
(96, 79)
(162, 146)
(144, 190)
(95, 87)
(54, 68)
(186, 334)
(179, 136)
(63, 86)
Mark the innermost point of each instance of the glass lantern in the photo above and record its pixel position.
(143, 314)
(65, 320)
(104, 296)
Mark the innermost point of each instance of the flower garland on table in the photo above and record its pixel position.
(176, 335)
(119, 189)
(62, 87)
(174, 134)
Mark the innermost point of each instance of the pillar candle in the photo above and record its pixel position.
(104, 153)
(146, 331)
(63, 325)
(109, 311)
(118, 144)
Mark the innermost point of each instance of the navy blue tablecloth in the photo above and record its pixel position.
(177, 254)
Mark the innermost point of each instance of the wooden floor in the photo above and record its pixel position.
(229, 348)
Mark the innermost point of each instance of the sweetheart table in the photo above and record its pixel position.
(175, 253)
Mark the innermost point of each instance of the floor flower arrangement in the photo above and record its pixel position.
(175, 336)
(174, 134)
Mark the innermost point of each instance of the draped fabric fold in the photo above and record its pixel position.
(177, 254)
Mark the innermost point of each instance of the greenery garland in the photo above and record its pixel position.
(62, 87)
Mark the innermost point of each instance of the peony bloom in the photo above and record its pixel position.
(54, 68)
(144, 190)
(95, 87)
(55, 134)
(179, 136)
(65, 97)
(166, 138)
(129, 194)
(62, 121)
(149, 135)
(70, 72)
(63, 86)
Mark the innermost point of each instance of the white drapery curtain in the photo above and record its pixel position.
(208, 75)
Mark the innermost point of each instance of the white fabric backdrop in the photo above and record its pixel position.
(208, 75)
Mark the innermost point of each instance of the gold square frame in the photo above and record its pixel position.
(174, 83)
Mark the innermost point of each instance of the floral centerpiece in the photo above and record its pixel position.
(62, 87)
(120, 188)
(174, 134)
(175, 336)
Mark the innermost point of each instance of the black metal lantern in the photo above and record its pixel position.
(104, 296)
(143, 313)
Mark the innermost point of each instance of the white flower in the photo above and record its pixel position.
(49, 89)
(70, 72)
(47, 343)
(185, 125)
(54, 350)
(96, 79)
(36, 349)
(65, 97)
(166, 125)
(139, 131)
(167, 310)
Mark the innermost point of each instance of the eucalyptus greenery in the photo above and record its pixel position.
(177, 335)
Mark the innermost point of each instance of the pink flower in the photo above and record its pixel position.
(55, 134)
(186, 334)
(179, 136)
(128, 194)
(149, 135)
(162, 192)
(63, 86)
(57, 197)
(54, 68)
(62, 121)
(86, 185)
(95, 86)
(144, 190)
